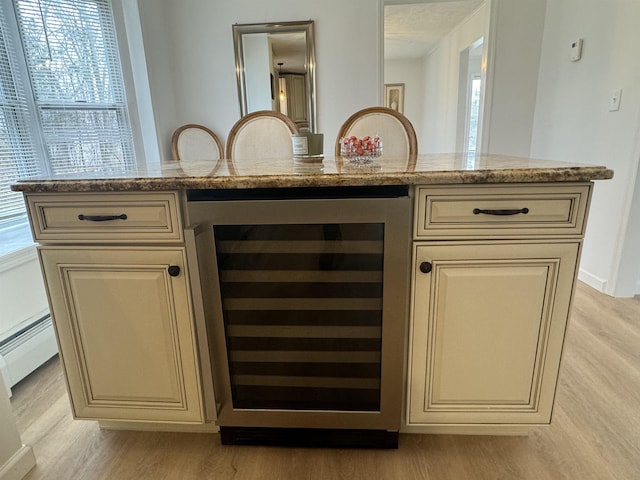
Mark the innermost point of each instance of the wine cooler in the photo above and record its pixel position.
(305, 299)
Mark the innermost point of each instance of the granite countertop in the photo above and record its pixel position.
(433, 169)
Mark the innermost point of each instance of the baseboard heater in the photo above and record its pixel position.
(26, 349)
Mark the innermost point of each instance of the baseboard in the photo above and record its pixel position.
(470, 429)
(18, 465)
(4, 375)
(158, 427)
(598, 283)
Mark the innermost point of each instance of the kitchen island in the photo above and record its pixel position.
(467, 306)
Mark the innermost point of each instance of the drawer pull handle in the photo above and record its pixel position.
(102, 218)
(426, 267)
(174, 270)
(524, 211)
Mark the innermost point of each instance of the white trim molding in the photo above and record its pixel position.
(16, 459)
(19, 465)
(593, 281)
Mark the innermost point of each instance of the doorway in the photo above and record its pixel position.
(469, 98)
(423, 41)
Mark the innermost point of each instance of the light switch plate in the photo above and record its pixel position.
(576, 50)
(614, 100)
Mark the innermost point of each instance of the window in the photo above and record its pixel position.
(17, 152)
(75, 93)
(75, 71)
(474, 112)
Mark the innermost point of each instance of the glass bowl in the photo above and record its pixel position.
(361, 149)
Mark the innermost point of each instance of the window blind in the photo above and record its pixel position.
(73, 62)
(17, 153)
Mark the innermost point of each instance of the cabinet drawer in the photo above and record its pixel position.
(501, 211)
(105, 217)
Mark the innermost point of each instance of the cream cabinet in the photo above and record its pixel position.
(115, 267)
(488, 327)
(490, 302)
(123, 322)
(139, 218)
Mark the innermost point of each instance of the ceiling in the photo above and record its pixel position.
(291, 50)
(413, 28)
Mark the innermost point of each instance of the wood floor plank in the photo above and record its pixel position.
(594, 435)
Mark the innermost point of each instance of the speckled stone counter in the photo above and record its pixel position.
(437, 169)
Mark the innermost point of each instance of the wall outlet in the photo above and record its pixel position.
(576, 50)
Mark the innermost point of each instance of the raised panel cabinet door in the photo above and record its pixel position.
(487, 331)
(123, 321)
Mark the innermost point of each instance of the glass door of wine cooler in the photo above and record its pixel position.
(302, 311)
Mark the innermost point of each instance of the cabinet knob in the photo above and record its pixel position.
(426, 267)
(174, 270)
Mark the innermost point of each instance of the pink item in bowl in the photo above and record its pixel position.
(361, 148)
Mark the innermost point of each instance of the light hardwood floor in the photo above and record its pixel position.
(595, 433)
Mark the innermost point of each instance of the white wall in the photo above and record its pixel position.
(257, 55)
(9, 438)
(189, 51)
(136, 78)
(441, 75)
(160, 59)
(628, 278)
(518, 27)
(22, 293)
(15, 459)
(573, 123)
(411, 73)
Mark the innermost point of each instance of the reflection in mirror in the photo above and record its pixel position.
(275, 68)
(436, 49)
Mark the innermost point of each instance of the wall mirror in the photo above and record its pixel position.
(276, 70)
